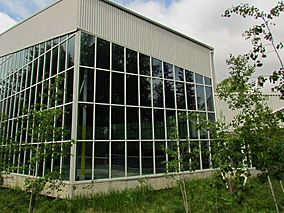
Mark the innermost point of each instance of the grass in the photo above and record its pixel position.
(204, 196)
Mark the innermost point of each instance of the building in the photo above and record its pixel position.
(126, 79)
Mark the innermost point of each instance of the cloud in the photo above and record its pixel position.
(6, 22)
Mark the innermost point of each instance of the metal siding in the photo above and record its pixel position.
(117, 25)
(56, 20)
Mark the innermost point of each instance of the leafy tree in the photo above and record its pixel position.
(262, 39)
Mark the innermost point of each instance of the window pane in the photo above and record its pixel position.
(67, 121)
(170, 94)
(117, 88)
(209, 99)
(157, 92)
(101, 160)
(145, 91)
(160, 157)
(179, 74)
(54, 60)
(71, 52)
(205, 154)
(102, 122)
(84, 160)
(191, 102)
(200, 97)
(198, 78)
(168, 71)
(146, 124)
(144, 64)
(86, 85)
(133, 158)
(193, 132)
(102, 87)
(131, 90)
(62, 56)
(208, 81)
(182, 125)
(87, 53)
(85, 121)
(159, 124)
(189, 77)
(195, 155)
(203, 128)
(147, 158)
(103, 54)
(156, 68)
(131, 61)
(117, 57)
(117, 123)
(180, 94)
(132, 123)
(171, 124)
(117, 159)
(69, 86)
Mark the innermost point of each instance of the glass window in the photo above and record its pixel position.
(160, 157)
(179, 74)
(84, 160)
(168, 71)
(131, 61)
(132, 123)
(54, 60)
(184, 153)
(205, 154)
(133, 158)
(117, 88)
(117, 159)
(195, 155)
(156, 68)
(207, 81)
(193, 132)
(103, 54)
(131, 90)
(102, 86)
(200, 97)
(87, 51)
(85, 121)
(169, 94)
(86, 85)
(117, 123)
(101, 161)
(191, 102)
(62, 56)
(198, 78)
(145, 91)
(180, 95)
(144, 64)
(71, 52)
(102, 122)
(171, 124)
(67, 121)
(159, 124)
(69, 86)
(203, 129)
(157, 92)
(182, 125)
(189, 76)
(147, 158)
(40, 68)
(209, 99)
(117, 57)
(146, 124)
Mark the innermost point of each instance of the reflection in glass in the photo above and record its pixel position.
(85, 121)
(171, 124)
(159, 124)
(101, 161)
(198, 78)
(168, 71)
(209, 99)
(117, 123)
(102, 122)
(200, 97)
(131, 90)
(71, 52)
(103, 54)
(102, 87)
(117, 95)
(189, 76)
(191, 101)
(146, 124)
(145, 91)
(131, 61)
(205, 154)
(86, 85)
(207, 81)
(117, 57)
(156, 68)
(193, 132)
(203, 129)
(117, 159)
(169, 94)
(144, 64)
(182, 125)
(147, 157)
(84, 160)
(157, 92)
(69, 86)
(195, 155)
(179, 74)
(160, 157)
(133, 158)
(132, 123)
(180, 94)
(87, 51)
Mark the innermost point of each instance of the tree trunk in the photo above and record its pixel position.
(273, 195)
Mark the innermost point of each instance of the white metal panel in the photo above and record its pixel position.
(116, 24)
(58, 19)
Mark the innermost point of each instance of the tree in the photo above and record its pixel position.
(262, 37)
(254, 137)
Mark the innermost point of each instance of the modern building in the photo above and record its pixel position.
(126, 80)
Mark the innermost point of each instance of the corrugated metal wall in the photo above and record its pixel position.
(112, 23)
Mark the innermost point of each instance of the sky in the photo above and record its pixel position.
(199, 19)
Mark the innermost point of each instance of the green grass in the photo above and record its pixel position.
(204, 196)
